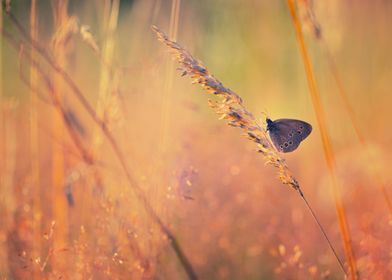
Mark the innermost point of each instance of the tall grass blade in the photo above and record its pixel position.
(328, 152)
(168, 82)
(3, 166)
(59, 203)
(310, 20)
(110, 21)
(34, 144)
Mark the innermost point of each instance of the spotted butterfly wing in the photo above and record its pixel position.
(287, 134)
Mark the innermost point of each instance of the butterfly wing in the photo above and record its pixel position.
(287, 134)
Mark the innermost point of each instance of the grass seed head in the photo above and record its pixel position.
(229, 106)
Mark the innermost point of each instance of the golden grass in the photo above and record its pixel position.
(64, 77)
(2, 118)
(174, 19)
(63, 26)
(327, 146)
(153, 182)
(105, 93)
(3, 166)
(34, 143)
(167, 101)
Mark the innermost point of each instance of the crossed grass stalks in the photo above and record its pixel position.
(27, 41)
(230, 107)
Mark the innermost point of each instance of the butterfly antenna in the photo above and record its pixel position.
(265, 113)
(322, 230)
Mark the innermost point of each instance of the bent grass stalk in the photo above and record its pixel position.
(328, 151)
(230, 107)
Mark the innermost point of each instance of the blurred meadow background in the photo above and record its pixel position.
(113, 166)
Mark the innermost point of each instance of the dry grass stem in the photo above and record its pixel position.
(105, 91)
(34, 143)
(309, 18)
(65, 26)
(306, 8)
(327, 146)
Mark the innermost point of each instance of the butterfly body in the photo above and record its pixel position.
(287, 134)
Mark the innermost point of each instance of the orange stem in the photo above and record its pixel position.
(327, 147)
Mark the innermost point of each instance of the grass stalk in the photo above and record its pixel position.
(322, 230)
(3, 166)
(75, 90)
(104, 92)
(34, 145)
(58, 105)
(168, 82)
(59, 203)
(166, 109)
(328, 151)
(230, 107)
(311, 21)
(2, 117)
(174, 19)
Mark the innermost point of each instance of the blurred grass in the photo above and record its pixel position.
(240, 215)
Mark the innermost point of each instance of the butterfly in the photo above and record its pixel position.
(287, 134)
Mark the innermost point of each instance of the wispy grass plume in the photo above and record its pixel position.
(230, 107)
